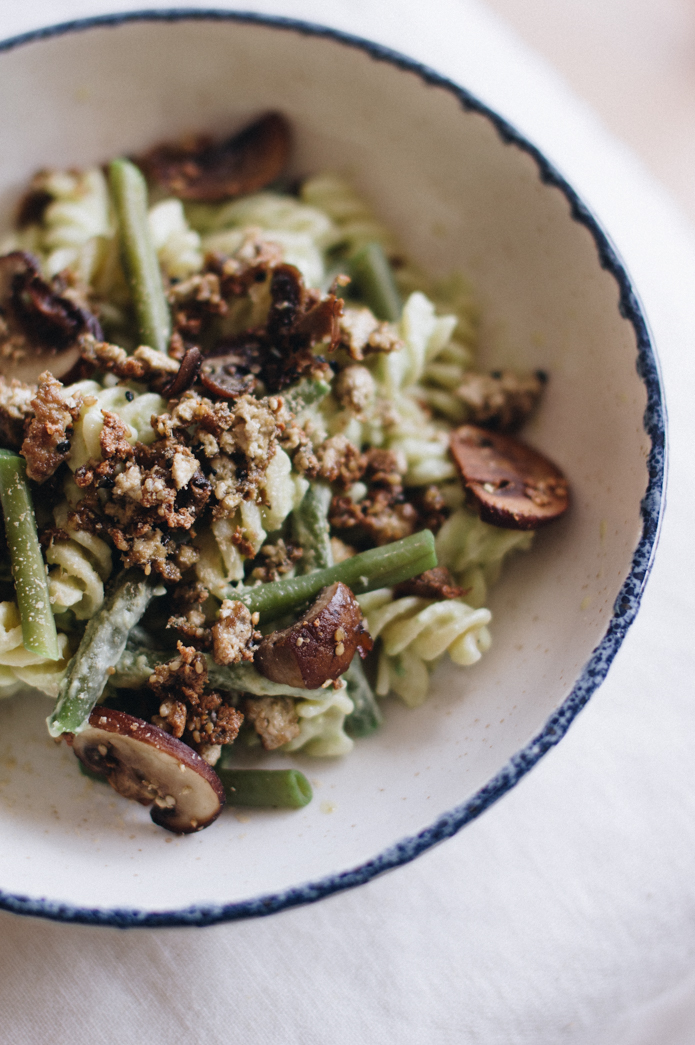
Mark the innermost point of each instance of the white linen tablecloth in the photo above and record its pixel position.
(566, 913)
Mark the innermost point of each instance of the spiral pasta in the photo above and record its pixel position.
(134, 408)
(303, 232)
(177, 244)
(350, 214)
(474, 551)
(321, 723)
(75, 227)
(220, 558)
(80, 564)
(19, 667)
(415, 633)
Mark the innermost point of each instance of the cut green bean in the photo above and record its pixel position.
(28, 569)
(310, 528)
(377, 568)
(367, 714)
(373, 278)
(269, 788)
(305, 393)
(102, 644)
(129, 192)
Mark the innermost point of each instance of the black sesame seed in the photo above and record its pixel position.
(63, 446)
(130, 396)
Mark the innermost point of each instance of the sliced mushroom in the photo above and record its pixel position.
(508, 483)
(212, 172)
(41, 325)
(432, 584)
(320, 646)
(230, 370)
(298, 319)
(144, 763)
(185, 376)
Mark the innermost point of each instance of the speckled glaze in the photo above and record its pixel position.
(318, 860)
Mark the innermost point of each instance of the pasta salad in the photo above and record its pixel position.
(251, 480)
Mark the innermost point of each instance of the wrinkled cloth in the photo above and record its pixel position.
(566, 913)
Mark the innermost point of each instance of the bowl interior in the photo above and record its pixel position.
(460, 198)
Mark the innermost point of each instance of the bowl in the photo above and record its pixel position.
(464, 191)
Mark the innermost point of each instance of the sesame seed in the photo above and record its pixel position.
(339, 635)
(300, 640)
(339, 649)
(102, 749)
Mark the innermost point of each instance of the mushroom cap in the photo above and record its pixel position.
(144, 763)
(509, 484)
(320, 646)
(45, 324)
(212, 172)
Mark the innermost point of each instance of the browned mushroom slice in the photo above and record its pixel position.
(212, 172)
(508, 483)
(320, 646)
(144, 763)
(230, 370)
(432, 584)
(186, 375)
(41, 327)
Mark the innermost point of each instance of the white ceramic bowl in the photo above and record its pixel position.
(464, 191)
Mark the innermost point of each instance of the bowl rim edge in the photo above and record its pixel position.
(626, 603)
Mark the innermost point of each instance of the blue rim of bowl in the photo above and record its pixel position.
(626, 604)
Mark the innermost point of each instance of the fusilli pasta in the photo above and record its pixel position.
(415, 633)
(20, 668)
(474, 551)
(177, 244)
(321, 723)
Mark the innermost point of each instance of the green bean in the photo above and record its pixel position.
(305, 393)
(137, 663)
(377, 568)
(277, 788)
(367, 714)
(102, 644)
(310, 527)
(28, 569)
(373, 277)
(129, 191)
